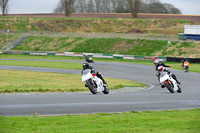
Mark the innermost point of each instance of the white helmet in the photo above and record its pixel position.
(160, 68)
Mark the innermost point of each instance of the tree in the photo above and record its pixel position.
(98, 5)
(4, 7)
(66, 6)
(171, 9)
(60, 8)
(90, 6)
(131, 7)
(69, 7)
(134, 11)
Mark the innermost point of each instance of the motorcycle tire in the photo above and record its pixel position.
(106, 90)
(169, 87)
(91, 87)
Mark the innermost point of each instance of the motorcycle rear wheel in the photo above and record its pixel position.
(91, 87)
(169, 87)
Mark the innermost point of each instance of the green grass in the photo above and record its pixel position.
(194, 67)
(174, 121)
(4, 38)
(28, 81)
(93, 45)
(98, 25)
(110, 46)
(47, 64)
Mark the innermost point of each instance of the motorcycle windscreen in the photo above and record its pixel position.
(86, 75)
(163, 77)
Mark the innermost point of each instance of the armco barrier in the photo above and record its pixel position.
(117, 56)
(60, 54)
(51, 53)
(128, 57)
(179, 59)
(97, 55)
(108, 56)
(78, 54)
(38, 53)
(25, 53)
(69, 53)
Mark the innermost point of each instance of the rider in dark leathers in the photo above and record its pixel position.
(99, 75)
(161, 64)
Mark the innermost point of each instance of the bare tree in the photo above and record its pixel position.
(131, 7)
(4, 7)
(90, 6)
(171, 9)
(136, 8)
(98, 5)
(134, 11)
(69, 7)
(60, 8)
(66, 6)
(116, 6)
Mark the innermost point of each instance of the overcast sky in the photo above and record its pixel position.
(191, 7)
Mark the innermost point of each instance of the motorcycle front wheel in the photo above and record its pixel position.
(169, 87)
(91, 87)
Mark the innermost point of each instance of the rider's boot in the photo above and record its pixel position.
(178, 82)
(101, 77)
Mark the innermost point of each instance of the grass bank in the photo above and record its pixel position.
(28, 81)
(98, 25)
(187, 121)
(111, 46)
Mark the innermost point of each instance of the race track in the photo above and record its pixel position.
(152, 98)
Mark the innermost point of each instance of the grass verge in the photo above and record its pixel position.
(46, 64)
(194, 67)
(187, 121)
(28, 81)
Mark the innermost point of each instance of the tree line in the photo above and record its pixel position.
(115, 6)
(107, 6)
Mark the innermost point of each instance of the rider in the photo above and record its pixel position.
(162, 69)
(99, 75)
(156, 60)
(161, 64)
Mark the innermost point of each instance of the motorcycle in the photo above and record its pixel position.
(94, 83)
(89, 59)
(166, 80)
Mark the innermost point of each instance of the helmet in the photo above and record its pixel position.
(85, 65)
(160, 68)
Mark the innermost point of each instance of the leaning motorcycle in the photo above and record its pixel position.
(94, 83)
(166, 80)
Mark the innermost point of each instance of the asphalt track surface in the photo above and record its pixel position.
(152, 98)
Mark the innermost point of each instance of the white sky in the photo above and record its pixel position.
(191, 7)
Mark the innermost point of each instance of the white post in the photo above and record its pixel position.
(168, 43)
(7, 31)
